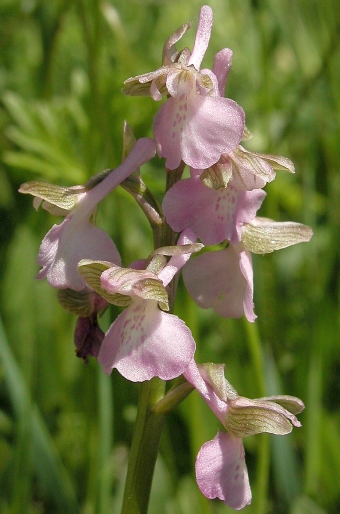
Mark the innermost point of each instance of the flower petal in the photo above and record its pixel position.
(91, 272)
(213, 216)
(202, 36)
(169, 51)
(145, 342)
(221, 471)
(291, 403)
(246, 417)
(214, 279)
(246, 268)
(250, 171)
(65, 245)
(65, 198)
(221, 68)
(197, 129)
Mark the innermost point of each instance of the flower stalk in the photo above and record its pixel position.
(144, 448)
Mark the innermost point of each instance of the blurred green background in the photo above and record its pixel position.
(65, 428)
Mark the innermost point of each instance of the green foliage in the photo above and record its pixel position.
(64, 427)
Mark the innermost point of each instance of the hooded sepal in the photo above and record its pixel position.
(91, 272)
(81, 303)
(213, 374)
(218, 175)
(57, 200)
(246, 417)
(141, 283)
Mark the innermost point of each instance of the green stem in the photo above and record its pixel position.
(144, 449)
(149, 422)
(263, 463)
(255, 349)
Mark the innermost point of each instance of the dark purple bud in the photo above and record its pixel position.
(88, 337)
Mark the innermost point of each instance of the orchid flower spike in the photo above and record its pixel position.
(221, 471)
(77, 237)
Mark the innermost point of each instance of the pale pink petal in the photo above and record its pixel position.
(221, 68)
(169, 50)
(197, 129)
(145, 342)
(210, 214)
(154, 92)
(66, 244)
(246, 268)
(213, 215)
(143, 150)
(221, 471)
(214, 279)
(187, 237)
(248, 204)
(202, 36)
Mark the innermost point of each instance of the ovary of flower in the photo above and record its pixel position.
(76, 237)
(195, 124)
(221, 471)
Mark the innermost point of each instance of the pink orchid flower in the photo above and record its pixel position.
(144, 341)
(195, 124)
(223, 279)
(221, 471)
(76, 237)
